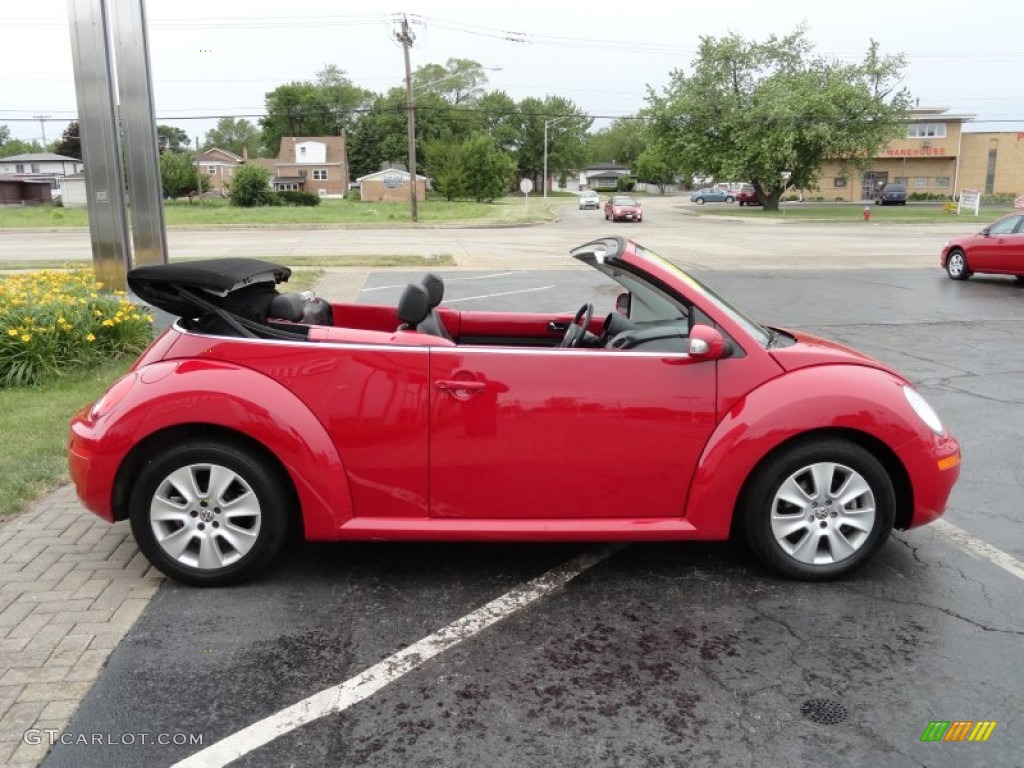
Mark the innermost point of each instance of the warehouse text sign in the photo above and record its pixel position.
(917, 152)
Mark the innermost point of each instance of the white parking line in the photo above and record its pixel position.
(978, 548)
(447, 280)
(493, 295)
(344, 695)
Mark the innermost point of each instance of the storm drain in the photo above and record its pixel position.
(824, 711)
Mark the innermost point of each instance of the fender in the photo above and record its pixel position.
(807, 399)
(184, 392)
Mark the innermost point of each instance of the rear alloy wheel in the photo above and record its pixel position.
(818, 510)
(209, 513)
(956, 265)
(729, 200)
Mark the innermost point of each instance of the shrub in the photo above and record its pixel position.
(53, 322)
(625, 184)
(251, 188)
(1001, 198)
(298, 197)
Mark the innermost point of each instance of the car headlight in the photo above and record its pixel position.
(924, 411)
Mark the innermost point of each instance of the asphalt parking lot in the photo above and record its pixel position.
(656, 655)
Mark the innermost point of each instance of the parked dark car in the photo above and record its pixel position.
(747, 196)
(891, 194)
(998, 250)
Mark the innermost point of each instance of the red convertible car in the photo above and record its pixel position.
(673, 417)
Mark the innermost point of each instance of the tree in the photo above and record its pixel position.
(622, 142)
(10, 147)
(488, 170)
(234, 135)
(70, 145)
(251, 187)
(499, 117)
(180, 176)
(458, 81)
(5, 136)
(172, 139)
(566, 149)
(654, 167)
(321, 108)
(755, 111)
(443, 161)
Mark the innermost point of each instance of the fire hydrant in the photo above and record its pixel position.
(867, 213)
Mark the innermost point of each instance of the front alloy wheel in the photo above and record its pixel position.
(209, 513)
(956, 265)
(819, 510)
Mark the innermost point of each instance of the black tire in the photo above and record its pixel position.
(729, 200)
(238, 527)
(1020, 278)
(810, 542)
(956, 265)
(700, 201)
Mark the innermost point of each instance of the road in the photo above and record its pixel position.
(670, 227)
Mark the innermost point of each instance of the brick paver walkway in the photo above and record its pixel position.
(71, 586)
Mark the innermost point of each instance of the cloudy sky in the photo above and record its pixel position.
(213, 58)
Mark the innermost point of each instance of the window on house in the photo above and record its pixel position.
(35, 167)
(990, 173)
(319, 174)
(19, 168)
(211, 169)
(926, 131)
(942, 181)
(839, 181)
(900, 180)
(302, 151)
(921, 181)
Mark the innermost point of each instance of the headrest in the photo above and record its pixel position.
(434, 286)
(287, 306)
(414, 305)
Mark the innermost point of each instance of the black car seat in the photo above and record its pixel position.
(432, 323)
(413, 307)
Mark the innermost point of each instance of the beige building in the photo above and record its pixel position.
(937, 157)
(390, 185)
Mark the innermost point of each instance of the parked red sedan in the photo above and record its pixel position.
(673, 417)
(998, 249)
(623, 208)
(747, 196)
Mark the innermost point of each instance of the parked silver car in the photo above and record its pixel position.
(589, 199)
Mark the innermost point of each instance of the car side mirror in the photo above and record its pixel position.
(623, 303)
(985, 232)
(706, 343)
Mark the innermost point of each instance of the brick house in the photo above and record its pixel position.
(390, 185)
(219, 166)
(40, 166)
(317, 164)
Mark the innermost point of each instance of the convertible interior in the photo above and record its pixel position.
(240, 297)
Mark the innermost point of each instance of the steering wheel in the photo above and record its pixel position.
(577, 329)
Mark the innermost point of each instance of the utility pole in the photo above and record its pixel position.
(42, 126)
(406, 38)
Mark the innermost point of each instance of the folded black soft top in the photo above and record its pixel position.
(158, 284)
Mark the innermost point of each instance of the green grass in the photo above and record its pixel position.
(392, 260)
(34, 423)
(218, 213)
(850, 212)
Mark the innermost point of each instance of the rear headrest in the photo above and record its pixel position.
(414, 305)
(434, 286)
(287, 306)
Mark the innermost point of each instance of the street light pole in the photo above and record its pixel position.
(546, 124)
(405, 37)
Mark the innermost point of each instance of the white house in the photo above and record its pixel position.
(41, 166)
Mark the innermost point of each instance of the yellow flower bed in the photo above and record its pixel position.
(58, 321)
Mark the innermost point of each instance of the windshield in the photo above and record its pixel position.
(624, 201)
(756, 330)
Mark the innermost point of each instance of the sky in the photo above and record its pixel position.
(213, 58)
